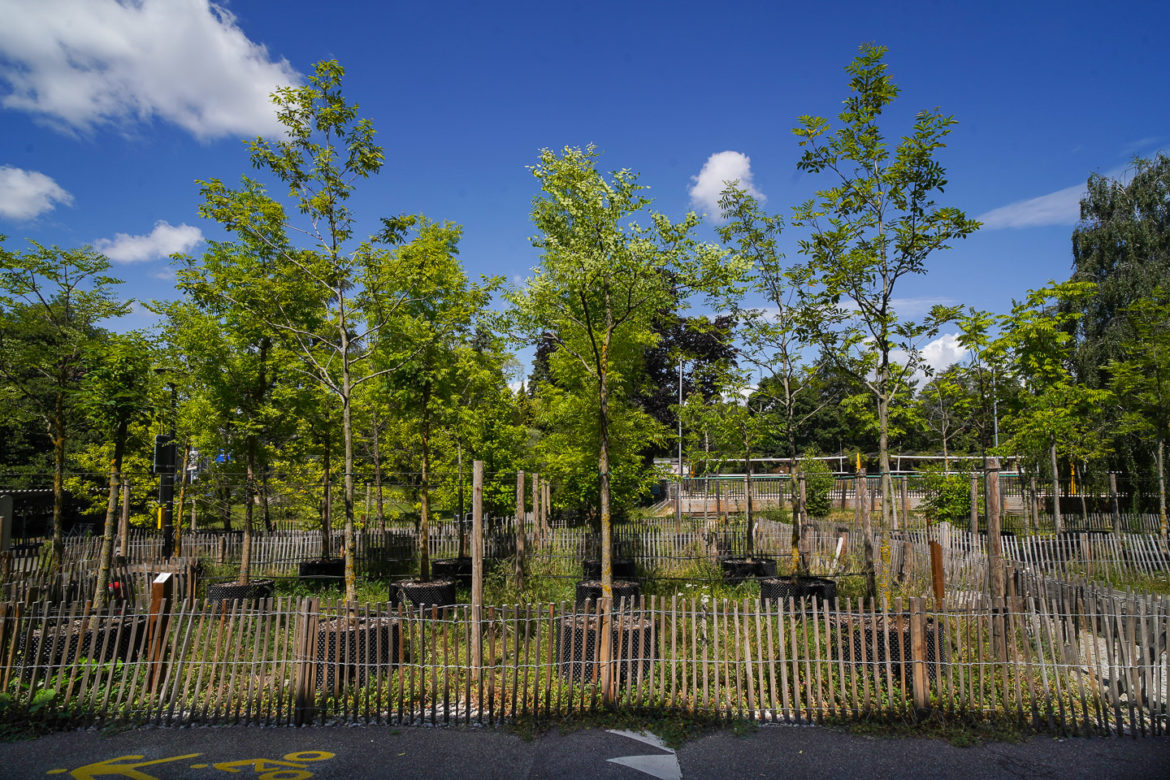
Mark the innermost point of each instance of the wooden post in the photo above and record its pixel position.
(905, 502)
(974, 528)
(918, 654)
(546, 503)
(996, 572)
(476, 568)
(304, 675)
(937, 575)
(518, 562)
(867, 529)
(1115, 505)
(124, 522)
(536, 503)
(161, 604)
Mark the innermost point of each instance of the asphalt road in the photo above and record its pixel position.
(457, 753)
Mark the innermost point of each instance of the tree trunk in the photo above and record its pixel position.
(1056, 517)
(424, 548)
(603, 484)
(106, 557)
(884, 445)
(249, 512)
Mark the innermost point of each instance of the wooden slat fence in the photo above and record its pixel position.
(1089, 666)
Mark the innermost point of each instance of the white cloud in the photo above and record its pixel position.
(27, 194)
(943, 352)
(1062, 207)
(81, 63)
(721, 168)
(166, 239)
(937, 355)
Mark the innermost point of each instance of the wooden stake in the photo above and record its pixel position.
(476, 567)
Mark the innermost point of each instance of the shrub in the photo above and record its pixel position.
(818, 486)
(948, 496)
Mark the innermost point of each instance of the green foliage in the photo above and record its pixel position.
(948, 496)
(818, 486)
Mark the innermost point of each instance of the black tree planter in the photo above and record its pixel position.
(322, 571)
(102, 638)
(591, 590)
(416, 594)
(227, 592)
(737, 570)
(623, 569)
(350, 651)
(867, 637)
(578, 648)
(798, 588)
(458, 569)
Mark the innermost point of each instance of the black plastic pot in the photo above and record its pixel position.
(578, 646)
(351, 651)
(458, 569)
(865, 645)
(322, 571)
(623, 568)
(415, 594)
(799, 589)
(233, 591)
(591, 591)
(103, 639)
(737, 570)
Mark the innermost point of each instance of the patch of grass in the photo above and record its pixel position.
(960, 731)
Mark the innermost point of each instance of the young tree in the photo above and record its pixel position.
(601, 281)
(115, 393)
(877, 223)
(327, 302)
(425, 346)
(52, 300)
(774, 337)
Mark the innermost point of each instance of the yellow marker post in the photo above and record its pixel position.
(1072, 476)
(160, 518)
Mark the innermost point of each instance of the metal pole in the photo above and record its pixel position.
(994, 411)
(678, 497)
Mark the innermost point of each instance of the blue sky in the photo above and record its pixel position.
(110, 111)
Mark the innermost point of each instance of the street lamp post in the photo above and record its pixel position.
(678, 494)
